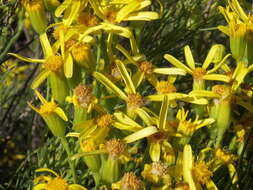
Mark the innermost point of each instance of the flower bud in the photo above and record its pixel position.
(37, 15)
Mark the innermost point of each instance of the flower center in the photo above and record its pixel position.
(48, 108)
(87, 145)
(81, 52)
(158, 137)
(146, 67)
(135, 101)
(198, 73)
(115, 147)
(159, 169)
(54, 63)
(84, 95)
(115, 73)
(57, 30)
(105, 121)
(164, 87)
(87, 19)
(130, 182)
(223, 156)
(201, 172)
(56, 184)
(110, 16)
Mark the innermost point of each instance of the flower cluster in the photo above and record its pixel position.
(97, 85)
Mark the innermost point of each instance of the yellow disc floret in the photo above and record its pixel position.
(57, 184)
(105, 121)
(47, 108)
(201, 172)
(199, 73)
(135, 101)
(84, 95)
(115, 148)
(146, 67)
(81, 52)
(87, 19)
(165, 87)
(54, 63)
(159, 169)
(130, 182)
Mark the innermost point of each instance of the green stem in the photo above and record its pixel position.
(71, 164)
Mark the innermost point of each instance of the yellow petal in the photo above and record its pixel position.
(210, 56)
(73, 134)
(61, 113)
(105, 81)
(169, 71)
(211, 186)
(75, 8)
(224, 29)
(155, 151)
(68, 65)
(123, 118)
(96, 9)
(189, 58)
(146, 132)
(171, 96)
(33, 107)
(60, 9)
(126, 77)
(76, 187)
(123, 126)
(177, 63)
(204, 123)
(126, 10)
(144, 116)
(47, 170)
(41, 98)
(46, 46)
(163, 113)
(26, 59)
(62, 44)
(204, 93)
(40, 78)
(188, 166)
(144, 16)
(234, 4)
(40, 186)
(233, 174)
(217, 77)
(216, 67)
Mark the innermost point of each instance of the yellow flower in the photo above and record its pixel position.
(188, 127)
(196, 173)
(146, 69)
(128, 182)
(37, 14)
(236, 30)
(56, 183)
(71, 9)
(117, 11)
(157, 173)
(53, 68)
(53, 115)
(200, 74)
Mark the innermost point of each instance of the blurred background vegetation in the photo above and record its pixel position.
(25, 143)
